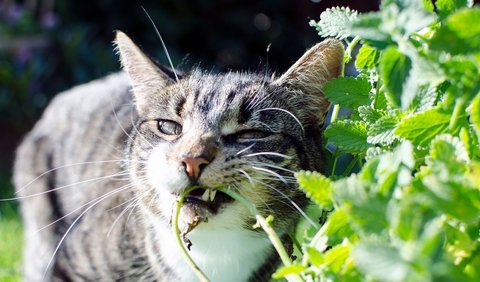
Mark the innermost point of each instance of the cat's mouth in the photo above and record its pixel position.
(209, 199)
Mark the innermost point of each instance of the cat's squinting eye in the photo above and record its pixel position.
(169, 127)
(251, 135)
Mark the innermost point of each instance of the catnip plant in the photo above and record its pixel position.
(412, 212)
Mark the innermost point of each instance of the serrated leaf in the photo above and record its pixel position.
(394, 69)
(381, 132)
(370, 115)
(348, 92)
(288, 270)
(350, 136)
(316, 186)
(460, 34)
(367, 57)
(421, 128)
(425, 98)
(335, 22)
(380, 261)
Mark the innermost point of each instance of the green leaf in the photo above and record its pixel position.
(335, 258)
(475, 114)
(394, 70)
(288, 270)
(350, 136)
(316, 186)
(421, 128)
(337, 227)
(335, 22)
(460, 34)
(447, 7)
(369, 28)
(369, 114)
(367, 57)
(348, 92)
(381, 132)
(380, 261)
(315, 257)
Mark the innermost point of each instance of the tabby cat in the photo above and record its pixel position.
(100, 172)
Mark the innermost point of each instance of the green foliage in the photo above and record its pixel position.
(412, 212)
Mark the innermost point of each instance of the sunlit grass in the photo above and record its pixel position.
(11, 235)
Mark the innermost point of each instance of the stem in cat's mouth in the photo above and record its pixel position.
(262, 222)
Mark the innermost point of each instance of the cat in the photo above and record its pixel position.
(101, 170)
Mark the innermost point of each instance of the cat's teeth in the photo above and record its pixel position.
(205, 195)
(212, 195)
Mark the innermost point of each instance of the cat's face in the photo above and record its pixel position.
(238, 130)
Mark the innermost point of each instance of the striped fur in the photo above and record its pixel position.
(109, 178)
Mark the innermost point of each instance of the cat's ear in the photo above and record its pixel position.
(146, 77)
(318, 65)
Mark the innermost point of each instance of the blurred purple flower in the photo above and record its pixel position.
(14, 13)
(50, 20)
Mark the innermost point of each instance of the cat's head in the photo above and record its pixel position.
(245, 131)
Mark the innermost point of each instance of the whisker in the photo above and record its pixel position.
(244, 149)
(64, 166)
(128, 186)
(295, 205)
(78, 218)
(268, 153)
(272, 166)
(287, 112)
(94, 180)
(163, 44)
(270, 172)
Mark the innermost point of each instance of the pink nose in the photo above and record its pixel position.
(194, 167)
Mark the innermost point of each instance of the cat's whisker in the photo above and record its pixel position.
(118, 121)
(99, 200)
(268, 153)
(163, 45)
(138, 132)
(252, 190)
(94, 180)
(293, 203)
(64, 166)
(287, 112)
(134, 202)
(273, 166)
(245, 149)
(246, 175)
(271, 172)
(77, 209)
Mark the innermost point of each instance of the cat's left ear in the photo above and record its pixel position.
(145, 75)
(318, 65)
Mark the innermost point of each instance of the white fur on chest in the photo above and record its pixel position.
(222, 254)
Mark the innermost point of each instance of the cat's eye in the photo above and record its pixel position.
(169, 127)
(251, 135)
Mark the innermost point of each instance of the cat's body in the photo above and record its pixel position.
(102, 150)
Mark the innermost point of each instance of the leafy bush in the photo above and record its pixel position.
(412, 212)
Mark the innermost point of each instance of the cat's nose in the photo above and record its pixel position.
(194, 167)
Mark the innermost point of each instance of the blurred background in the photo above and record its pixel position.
(48, 46)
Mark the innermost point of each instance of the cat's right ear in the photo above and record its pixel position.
(146, 77)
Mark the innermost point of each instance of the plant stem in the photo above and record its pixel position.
(334, 164)
(459, 106)
(348, 51)
(272, 235)
(351, 165)
(176, 233)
